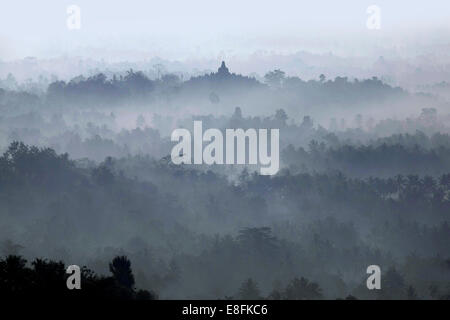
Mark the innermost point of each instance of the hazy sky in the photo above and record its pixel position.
(179, 28)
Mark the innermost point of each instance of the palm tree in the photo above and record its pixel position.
(120, 267)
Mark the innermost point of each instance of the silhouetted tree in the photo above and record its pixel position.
(120, 267)
(249, 290)
(302, 289)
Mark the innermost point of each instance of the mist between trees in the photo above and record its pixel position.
(86, 176)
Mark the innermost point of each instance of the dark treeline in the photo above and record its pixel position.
(46, 279)
(136, 87)
(369, 160)
(305, 147)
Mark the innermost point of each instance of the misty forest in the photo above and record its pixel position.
(86, 178)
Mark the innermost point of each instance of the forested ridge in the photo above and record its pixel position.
(400, 221)
(86, 178)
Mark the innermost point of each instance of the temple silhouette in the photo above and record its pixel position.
(223, 70)
(223, 78)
